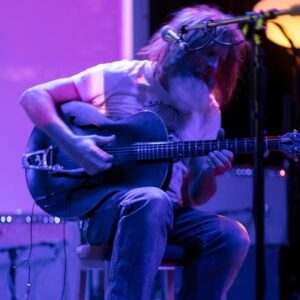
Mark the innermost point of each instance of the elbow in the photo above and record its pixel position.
(23, 98)
(31, 96)
(27, 97)
(35, 103)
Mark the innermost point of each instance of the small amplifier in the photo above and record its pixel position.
(24, 229)
(43, 247)
(234, 199)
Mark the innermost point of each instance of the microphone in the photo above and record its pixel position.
(169, 35)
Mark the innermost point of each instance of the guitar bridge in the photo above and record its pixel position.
(40, 160)
(43, 160)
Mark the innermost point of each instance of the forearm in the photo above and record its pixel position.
(204, 171)
(40, 103)
(203, 188)
(41, 109)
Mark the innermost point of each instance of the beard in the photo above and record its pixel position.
(188, 93)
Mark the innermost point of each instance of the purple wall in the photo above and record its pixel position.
(41, 41)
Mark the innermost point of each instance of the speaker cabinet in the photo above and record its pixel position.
(245, 285)
(234, 199)
(54, 268)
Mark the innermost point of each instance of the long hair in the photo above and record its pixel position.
(167, 54)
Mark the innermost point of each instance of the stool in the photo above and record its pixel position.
(98, 257)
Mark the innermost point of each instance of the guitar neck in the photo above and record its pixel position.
(184, 149)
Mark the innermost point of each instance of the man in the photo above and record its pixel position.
(186, 88)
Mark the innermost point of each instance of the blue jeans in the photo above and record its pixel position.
(141, 222)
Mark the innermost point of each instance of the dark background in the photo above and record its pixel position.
(236, 116)
(281, 115)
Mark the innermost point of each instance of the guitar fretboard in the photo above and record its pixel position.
(183, 149)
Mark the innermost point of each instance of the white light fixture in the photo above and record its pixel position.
(290, 24)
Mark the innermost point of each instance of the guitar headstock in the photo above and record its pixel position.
(290, 144)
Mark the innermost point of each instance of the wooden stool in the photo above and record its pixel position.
(98, 257)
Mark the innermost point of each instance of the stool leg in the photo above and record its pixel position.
(170, 284)
(82, 285)
(105, 275)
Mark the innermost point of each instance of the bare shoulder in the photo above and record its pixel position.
(60, 90)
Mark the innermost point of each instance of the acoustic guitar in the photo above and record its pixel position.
(143, 155)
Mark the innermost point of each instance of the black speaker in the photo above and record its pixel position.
(234, 199)
(245, 285)
(41, 254)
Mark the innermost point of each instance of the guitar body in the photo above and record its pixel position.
(73, 195)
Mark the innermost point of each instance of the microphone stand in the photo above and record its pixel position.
(256, 24)
(258, 104)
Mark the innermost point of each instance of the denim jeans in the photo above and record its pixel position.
(141, 222)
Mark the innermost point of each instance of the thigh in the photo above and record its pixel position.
(195, 229)
(100, 225)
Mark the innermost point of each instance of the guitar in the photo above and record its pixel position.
(143, 156)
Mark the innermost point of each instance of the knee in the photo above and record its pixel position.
(153, 202)
(158, 200)
(154, 195)
(235, 239)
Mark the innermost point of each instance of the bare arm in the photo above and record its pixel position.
(203, 174)
(201, 180)
(40, 103)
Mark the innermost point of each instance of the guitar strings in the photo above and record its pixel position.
(207, 142)
(206, 146)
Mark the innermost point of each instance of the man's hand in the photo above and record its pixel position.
(218, 162)
(86, 151)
